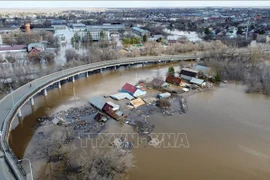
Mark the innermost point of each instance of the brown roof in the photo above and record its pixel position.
(157, 82)
(173, 80)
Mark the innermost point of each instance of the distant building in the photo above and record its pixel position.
(96, 34)
(14, 48)
(187, 74)
(78, 27)
(27, 27)
(156, 37)
(107, 27)
(140, 32)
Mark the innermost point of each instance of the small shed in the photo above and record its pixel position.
(137, 102)
(164, 95)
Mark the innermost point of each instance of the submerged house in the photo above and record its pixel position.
(98, 102)
(122, 95)
(100, 117)
(109, 108)
(205, 70)
(158, 83)
(199, 82)
(173, 80)
(137, 102)
(187, 74)
(133, 90)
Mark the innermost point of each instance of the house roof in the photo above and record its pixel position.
(115, 107)
(98, 102)
(203, 69)
(196, 81)
(122, 95)
(140, 30)
(129, 88)
(173, 80)
(158, 82)
(188, 72)
(137, 102)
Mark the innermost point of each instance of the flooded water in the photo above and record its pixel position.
(228, 131)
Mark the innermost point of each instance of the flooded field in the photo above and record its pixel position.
(228, 131)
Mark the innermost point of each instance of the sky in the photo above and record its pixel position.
(125, 3)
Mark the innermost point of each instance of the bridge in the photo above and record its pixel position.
(10, 105)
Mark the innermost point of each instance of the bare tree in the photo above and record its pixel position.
(99, 165)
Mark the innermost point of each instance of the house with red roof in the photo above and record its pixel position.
(133, 90)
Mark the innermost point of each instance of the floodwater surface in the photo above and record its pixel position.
(227, 130)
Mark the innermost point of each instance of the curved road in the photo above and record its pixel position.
(11, 103)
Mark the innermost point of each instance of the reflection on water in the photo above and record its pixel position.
(228, 130)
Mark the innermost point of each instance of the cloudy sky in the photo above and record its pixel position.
(59, 4)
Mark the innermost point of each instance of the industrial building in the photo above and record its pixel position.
(140, 32)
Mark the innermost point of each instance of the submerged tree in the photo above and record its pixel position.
(95, 164)
(171, 71)
(64, 161)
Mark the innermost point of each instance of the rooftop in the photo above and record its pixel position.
(120, 26)
(129, 88)
(139, 29)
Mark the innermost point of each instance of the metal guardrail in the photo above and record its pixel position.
(24, 93)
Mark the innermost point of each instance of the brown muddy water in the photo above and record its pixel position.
(228, 131)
